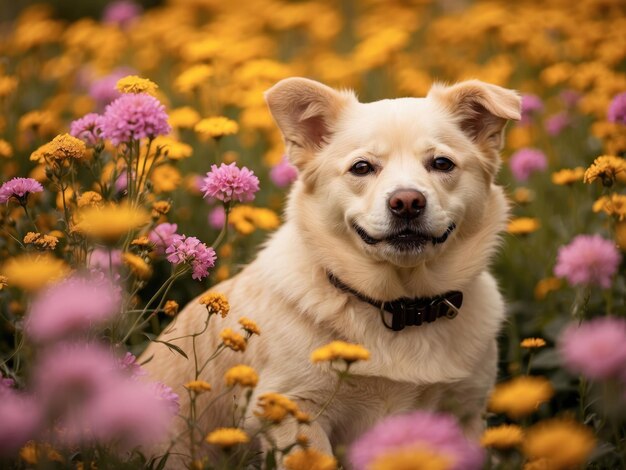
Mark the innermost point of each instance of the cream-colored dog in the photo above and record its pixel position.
(395, 203)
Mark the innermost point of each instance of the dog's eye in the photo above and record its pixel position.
(442, 164)
(361, 168)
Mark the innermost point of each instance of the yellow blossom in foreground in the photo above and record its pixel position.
(44, 242)
(564, 444)
(523, 226)
(242, 375)
(109, 222)
(533, 343)
(520, 396)
(613, 205)
(32, 272)
(6, 151)
(135, 84)
(170, 308)
(39, 154)
(249, 326)
(227, 437)
(606, 168)
(32, 452)
(340, 350)
(539, 464)
(233, 340)
(172, 148)
(183, 118)
(547, 285)
(65, 147)
(4, 281)
(192, 78)
(89, 198)
(137, 265)
(215, 303)
(568, 176)
(504, 436)
(216, 127)
(411, 459)
(275, 407)
(310, 459)
(198, 386)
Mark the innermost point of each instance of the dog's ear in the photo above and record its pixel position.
(481, 109)
(306, 112)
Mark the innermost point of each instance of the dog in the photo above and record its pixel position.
(388, 235)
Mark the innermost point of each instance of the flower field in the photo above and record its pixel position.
(139, 166)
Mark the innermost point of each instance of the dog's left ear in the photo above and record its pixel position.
(306, 112)
(481, 109)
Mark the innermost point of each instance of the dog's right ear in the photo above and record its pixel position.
(306, 112)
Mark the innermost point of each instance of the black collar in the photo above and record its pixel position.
(406, 311)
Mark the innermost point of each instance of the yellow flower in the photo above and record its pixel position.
(564, 444)
(233, 340)
(4, 281)
(539, 464)
(522, 226)
(275, 407)
(198, 386)
(31, 453)
(6, 151)
(216, 127)
(183, 118)
(142, 242)
(547, 285)
(620, 235)
(520, 396)
(65, 147)
(44, 242)
(39, 155)
(568, 176)
(250, 326)
(160, 208)
(533, 343)
(227, 437)
(215, 303)
(192, 78)
(32, 272)
(170, 308)
(310, 459)
(246, 218)
(340, 350)
(165, 179)
(8, 85)
(89, 198)
(135, 84)
(242, 375)
(606, 168)
(172, 148)
(504, 436)
(613, 205)
(523, 195)
(137, 265)
(109, 222)
(40, 122)
(411, 459)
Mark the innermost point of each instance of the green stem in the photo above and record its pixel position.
(340, 376)
(224, 230)
(28, 216)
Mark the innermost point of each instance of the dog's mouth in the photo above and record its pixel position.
(406, 239)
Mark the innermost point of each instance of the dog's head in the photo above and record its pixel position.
(398, 180)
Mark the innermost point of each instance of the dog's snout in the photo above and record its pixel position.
(407, 203)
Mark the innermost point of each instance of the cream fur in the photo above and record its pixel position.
(449, 364)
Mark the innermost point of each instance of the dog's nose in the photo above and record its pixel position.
(407, 203)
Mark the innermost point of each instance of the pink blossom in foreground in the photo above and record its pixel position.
(88, 128)
(19, 188)
(588, 260)
(191, 251)
(596, 349)
(284, 173)
(617, 109)
(434, 431)
(527, 161)
(230, 183)
(73, 306)
(20, 420)
(102, 259)
(162, 236)
(134, 117)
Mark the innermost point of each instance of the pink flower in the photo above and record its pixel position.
(19, 188)
(88, 128)
(617, 109)
(20, 419)
(133, 117)
(128, 363)
(191, 251)
(531, 106)
(121, 13)
(434, 431)
(284, 173)
(526, 161)
(217, 216)
(71, 307)
(588, 260)
(102, 259)
(167, 396)
(103, 90)
(570, 98)
(162, 236)
(556, 123)
(228, 182)
(596, 349)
